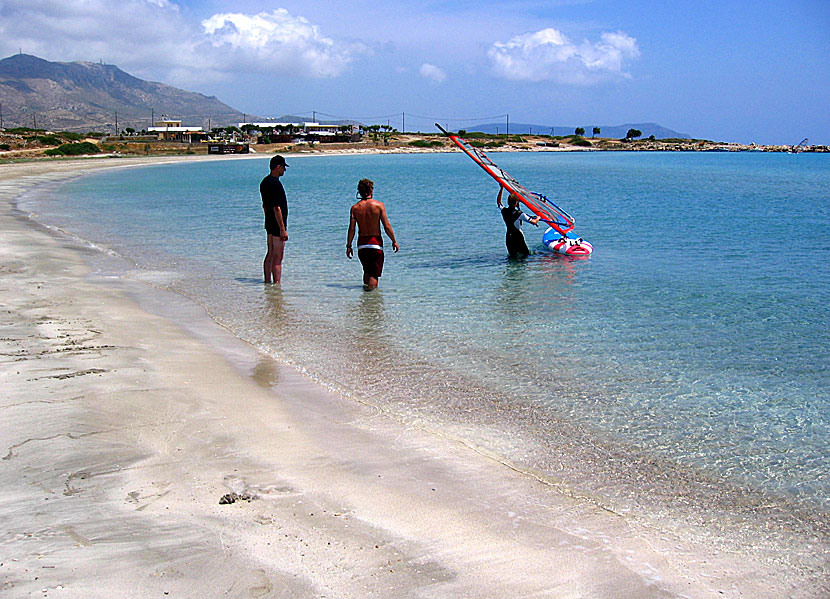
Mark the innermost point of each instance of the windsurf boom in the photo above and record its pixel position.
(555, 217)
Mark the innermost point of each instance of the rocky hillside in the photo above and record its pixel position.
(81, 96)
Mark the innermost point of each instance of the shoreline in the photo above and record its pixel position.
(124, 147)
(125, 429)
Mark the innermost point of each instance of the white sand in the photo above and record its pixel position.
(121, 431)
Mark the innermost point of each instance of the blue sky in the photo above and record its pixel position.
(728, 70)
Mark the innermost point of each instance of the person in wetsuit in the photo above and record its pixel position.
(513, 218)
(367, 215)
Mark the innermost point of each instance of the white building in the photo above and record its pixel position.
(171, 130)
(307, 128)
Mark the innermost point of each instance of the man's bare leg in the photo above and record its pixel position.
(266, 264)
(273, 259)
(369, 283)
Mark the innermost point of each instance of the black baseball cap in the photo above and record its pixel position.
(278, 161)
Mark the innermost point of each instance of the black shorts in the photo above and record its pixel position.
(372, 261)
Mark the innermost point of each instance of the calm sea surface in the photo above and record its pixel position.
(687, 358)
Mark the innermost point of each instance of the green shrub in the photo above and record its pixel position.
(580, 141)
(73, 149)
(422, 143)
(69, 135)
(23, 130)
(47, 140)
(488, 144)
(5, 147)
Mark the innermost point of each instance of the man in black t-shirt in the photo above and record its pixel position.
(513, 218)
(276, 218)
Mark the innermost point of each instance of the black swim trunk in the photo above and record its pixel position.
(370, 253)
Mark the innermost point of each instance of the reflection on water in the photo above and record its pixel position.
(557, 263)
(545, 285)
(369, 338)
(510, 299)
(370, 313)
(276, 310)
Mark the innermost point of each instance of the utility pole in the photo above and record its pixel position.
(1, 115)
(508, 125)
(116, 122)
(403, 122)
(152, 117)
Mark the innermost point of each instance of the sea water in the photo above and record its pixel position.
(685, 363)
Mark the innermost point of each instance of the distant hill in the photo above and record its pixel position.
(83, 96)
(611, 131)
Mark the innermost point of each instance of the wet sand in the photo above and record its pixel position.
(128, 414)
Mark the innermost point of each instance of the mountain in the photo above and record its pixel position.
(83, 96)
(610, 131)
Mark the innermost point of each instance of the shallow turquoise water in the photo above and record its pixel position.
(696, 336)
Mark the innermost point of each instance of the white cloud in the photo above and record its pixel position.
(277, 41)
(549, 55)
(153, 39)
(430, 71)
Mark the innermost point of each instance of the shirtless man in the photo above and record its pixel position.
(368, 214)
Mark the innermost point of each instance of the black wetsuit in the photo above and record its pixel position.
(515, 239)
(273, 194)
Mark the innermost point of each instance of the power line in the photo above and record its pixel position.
(361, 118)
(440, 119)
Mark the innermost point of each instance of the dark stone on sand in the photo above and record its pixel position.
(234, 497)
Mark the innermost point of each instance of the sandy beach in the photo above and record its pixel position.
(129, 415)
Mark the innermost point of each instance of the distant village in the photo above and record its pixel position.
(81, 94)
(169, 136)
(269, 132)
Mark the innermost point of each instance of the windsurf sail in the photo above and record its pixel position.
(540, 205)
